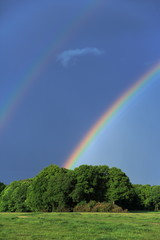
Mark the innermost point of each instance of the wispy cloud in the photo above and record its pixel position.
(66, 56)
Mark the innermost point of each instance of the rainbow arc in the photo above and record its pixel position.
(47, 54)
(110, 113)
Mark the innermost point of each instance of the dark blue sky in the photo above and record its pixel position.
(101, 48)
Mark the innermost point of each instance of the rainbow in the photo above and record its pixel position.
(51, 51)
(110, 113)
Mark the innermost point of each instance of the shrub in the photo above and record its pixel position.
(118, 209)
(102, 207)
(94, 206)
(82, 207)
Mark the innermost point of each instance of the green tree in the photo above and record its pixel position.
(120, 189)
(14, 195)
(38, 197)
(59, 191)
(143, 193)
(2, 186)
(90, 183)
(155, 197)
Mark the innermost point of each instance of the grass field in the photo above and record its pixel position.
(79, 226)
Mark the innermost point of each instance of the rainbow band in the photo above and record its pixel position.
(51, 51)
(110, 113)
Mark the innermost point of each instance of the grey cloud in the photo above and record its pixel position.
(66, 56)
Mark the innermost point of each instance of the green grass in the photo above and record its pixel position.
(79, 226)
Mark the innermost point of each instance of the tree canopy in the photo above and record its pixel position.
(84, 188)
(13, 197)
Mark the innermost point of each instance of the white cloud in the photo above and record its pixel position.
(66, 56)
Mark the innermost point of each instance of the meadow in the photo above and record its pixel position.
(81, 226)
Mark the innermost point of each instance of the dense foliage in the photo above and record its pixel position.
(86, 188)
(14, 195)
(2, 186)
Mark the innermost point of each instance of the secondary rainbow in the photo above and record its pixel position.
(111, 112)
(47, 54)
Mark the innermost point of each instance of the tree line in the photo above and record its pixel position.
(86, 188)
